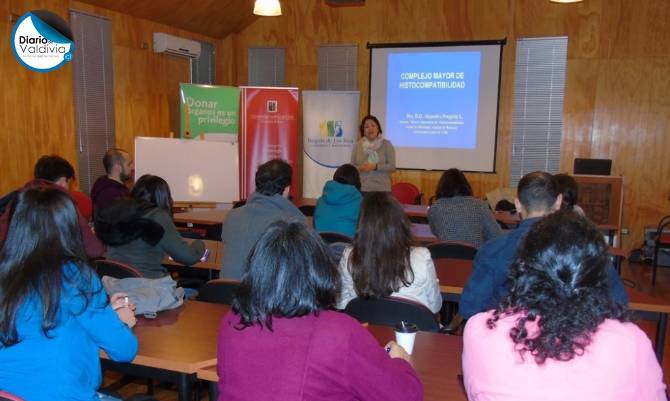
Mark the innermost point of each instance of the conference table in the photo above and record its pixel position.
(454, 273)
(179, 343)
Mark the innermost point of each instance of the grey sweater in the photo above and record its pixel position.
(245, 225)
(148, 259)
(380, 179)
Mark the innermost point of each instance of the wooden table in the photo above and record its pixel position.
(175, 345)
(454, 273)
(201, 217)
(422, 233)
(436, 359)
(180, 345)
(213, 262)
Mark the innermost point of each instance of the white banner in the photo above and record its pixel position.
(330, 129)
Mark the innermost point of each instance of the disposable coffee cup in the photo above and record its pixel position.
(405, 333)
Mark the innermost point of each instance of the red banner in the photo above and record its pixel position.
(269, 130)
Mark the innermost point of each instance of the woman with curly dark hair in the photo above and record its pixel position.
(558, 335)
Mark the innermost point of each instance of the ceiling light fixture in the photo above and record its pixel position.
(267, 8)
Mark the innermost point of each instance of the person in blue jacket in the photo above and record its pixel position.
(338, 208)
(54, 313)
(538, 195)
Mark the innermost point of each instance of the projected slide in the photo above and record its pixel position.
(432, 99)
(438, 103)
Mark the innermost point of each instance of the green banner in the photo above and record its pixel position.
(209, 109)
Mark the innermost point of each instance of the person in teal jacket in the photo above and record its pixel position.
(54, 313)
(338, 208)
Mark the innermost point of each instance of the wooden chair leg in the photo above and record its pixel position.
(654, 266)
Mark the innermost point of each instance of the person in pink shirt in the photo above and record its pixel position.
(283, 342)
(558, 335)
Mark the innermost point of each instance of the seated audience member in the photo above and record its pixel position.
(282, 341)
(244, 225)
(558, 335)
(107, 188)
(54, 312)
(567, 186)
(337, 209)
(457, 215)
(139, 230)
(537, 196)
(55, 172)
(383, 262)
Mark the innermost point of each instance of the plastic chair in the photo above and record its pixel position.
(407, 193)
(661, 241)
(116, 269)
(452, 250)
(221, 291)
(5, 396)
(388, 311)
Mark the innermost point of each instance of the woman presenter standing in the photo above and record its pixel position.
(374, 157)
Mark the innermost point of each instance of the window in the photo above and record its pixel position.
(537, 120)
(337, 67)
(203, 68)
(266, 66)
(93, 94)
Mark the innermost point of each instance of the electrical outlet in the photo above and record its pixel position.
(624, 231)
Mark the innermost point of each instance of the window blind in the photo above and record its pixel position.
(337, 67)
(537, 119)
(266, 66)
(93, 94)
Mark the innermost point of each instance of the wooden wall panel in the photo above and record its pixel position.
(37, 109)
(616, 103)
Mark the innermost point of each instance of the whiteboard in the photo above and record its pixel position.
(197, 171)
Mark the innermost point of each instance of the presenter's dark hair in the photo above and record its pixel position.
(567, 186)
(453, 183)
(537, 191)
(379, 261)
(348, 174)
(43, 237)
(154, 190)
(52, 168)
(113, 157)
(365, 119)
(273, 177)
(289, 274)
(559, 280)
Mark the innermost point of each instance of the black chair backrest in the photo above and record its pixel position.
(221, 291)
(331, 237)
(307, 210)
(388, 311)
(239, 203)
(113, 268)
(452, 250)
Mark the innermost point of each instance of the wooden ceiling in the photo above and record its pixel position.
(214, 18)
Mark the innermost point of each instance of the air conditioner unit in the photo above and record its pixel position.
(164, 43)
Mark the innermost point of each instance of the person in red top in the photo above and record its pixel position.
(54, 171)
